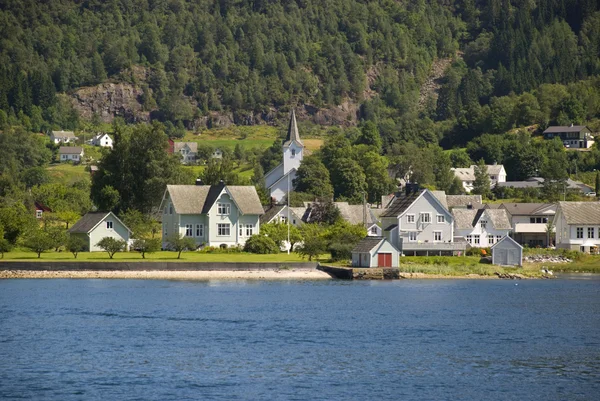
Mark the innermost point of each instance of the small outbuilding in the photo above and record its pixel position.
(96, 225)
(507, 252)
(375, 252)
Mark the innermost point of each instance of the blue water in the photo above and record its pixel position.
(333, 340)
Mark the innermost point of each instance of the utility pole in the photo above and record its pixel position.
(288, 215)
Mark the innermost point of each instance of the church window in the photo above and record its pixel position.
(293, 152)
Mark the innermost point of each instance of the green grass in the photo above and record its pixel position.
(68, 173)
(162, 256)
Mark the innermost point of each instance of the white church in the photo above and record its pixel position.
(278, 179)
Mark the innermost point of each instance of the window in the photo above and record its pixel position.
(410, 218)
(425, 218)
(374, 230)
(293, 152)
(189, 230)
(470, 239)
(579, 232)
(223, 209)
(224, 229)
(590, 232)
(545, 220)
(249, 230)
(491, 239)
(109, 225)
(199, 230)
(170, 209)
(483, 223)
(441, 218)
(412, 236)
(498, 238)
(38, 214)
(476, 239)
(437, 236)
(493, 177)
(166, 232)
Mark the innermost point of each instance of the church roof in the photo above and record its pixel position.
(292, 134)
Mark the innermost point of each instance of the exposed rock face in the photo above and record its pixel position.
(110, 100)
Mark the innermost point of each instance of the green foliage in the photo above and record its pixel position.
(312, 178)
(146, 245)
(278, 232)
(178, 243)
(76, 244)
(481, 185)
(142, 226)
(261, 244)
(340, 251)
(324, 213)
(218, 170)
(312, 247)
(38, 241)
(112, 245)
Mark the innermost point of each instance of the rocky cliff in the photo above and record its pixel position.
(110, 100)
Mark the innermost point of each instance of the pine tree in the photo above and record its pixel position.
(481, 185)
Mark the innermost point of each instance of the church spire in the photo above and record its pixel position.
(292, 134)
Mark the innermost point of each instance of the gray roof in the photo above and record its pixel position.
(537, 182)
(400, 203)
(465, 173)
(559, 129)
(463, 200)
(465, 219)
(584, 213)
(64, 134)
(70, 150)
(367, 244)
(354, 214)
(179, 145)
(302, 212)
(270, 213)
(292, 133)
(91, 220)
(441, 196)
(527, 209)
(198, 199)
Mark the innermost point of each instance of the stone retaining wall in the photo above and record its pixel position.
(156, 266)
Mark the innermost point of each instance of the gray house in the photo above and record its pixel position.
(573, 136)
(507, 252)
(96, 225)
(213, 215)
(418, 222)
(375, 252)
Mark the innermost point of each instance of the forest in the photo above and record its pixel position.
(515, 67)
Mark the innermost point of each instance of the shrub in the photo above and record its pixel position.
(340, 251)
(75, 245)
(112, 245)
(261, 244)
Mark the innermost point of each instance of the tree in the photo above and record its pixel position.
(178, 243)
(112, 245)
(348, 180)
(58, 235)
(5, 246)
(313, 177)
(76, 244)
(325, 212)
(218, 170)
(261, 244)
(369, 135)
(597, 183)
(38, 241)
(481, 185)
(146, 245)
(312, 247)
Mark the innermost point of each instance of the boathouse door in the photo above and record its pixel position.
(384, 259)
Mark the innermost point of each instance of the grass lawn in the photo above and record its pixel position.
(163, 256)
(68, 173)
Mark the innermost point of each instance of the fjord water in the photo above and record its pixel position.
(326, 340)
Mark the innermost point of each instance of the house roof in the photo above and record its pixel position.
(507, 239)
(581, 212)
(492, 168)
(353, 214)
(463, 200)
(465, 219)
(400, 204)
(42, 207)
(91, 220)
(441, 196)
(180, 145)
(70, 150)
(198, 199)
(64, 134)
(464, 173)
(527, 209)
(292, 134)
(270, 213)
(559, 129)
(367, 244)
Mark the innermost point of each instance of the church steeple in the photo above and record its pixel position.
(292, 134)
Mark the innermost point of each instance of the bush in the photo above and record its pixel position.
(340, 251)
(474, 251)
(221, 250)
(261, 244)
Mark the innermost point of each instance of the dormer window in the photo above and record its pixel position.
(293, 152)
(223, 208)
(483, 223)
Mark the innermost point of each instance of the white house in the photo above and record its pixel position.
(103, 140)
(96, 225)
(507, 252)
(70, 153)
(62, 137)
(496, 172)
(418, 222)
(375, 252)
(573, 136)
(530, 222)
(214, 215)
(578, 226)
(217, 154)
(280, 213)
(282, 176)
(481, 228)
(187, 150)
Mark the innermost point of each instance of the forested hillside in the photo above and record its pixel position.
(246, 56)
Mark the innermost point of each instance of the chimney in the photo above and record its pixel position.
(469, 206)
(571, 124)
(221, 182)
(410, 188)
(198, 181)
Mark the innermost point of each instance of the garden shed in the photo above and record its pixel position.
(507, 252)
(96, 225)
(375, 252)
